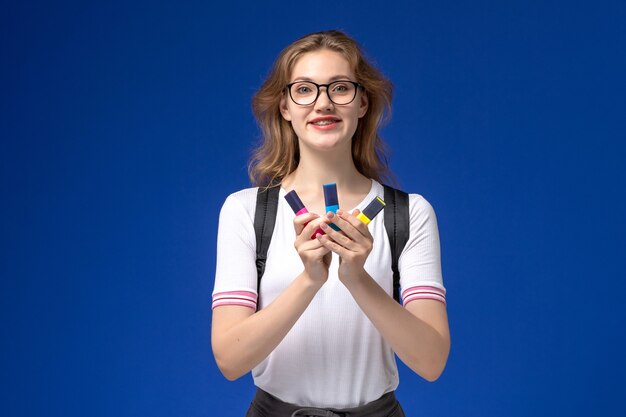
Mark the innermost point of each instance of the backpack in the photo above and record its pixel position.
(396, 215)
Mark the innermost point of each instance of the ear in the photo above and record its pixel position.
(363, 104)
(284, 110)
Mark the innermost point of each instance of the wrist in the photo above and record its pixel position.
(354, 277)
(309, 282)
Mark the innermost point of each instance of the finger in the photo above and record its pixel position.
(342, 220)
(339, 219)
(300, 222)
(356, 223)
(314, 248)
(332, 245)
(339, 237)
(308, 244)
(309, 231)
(303, 219)
(322, 251)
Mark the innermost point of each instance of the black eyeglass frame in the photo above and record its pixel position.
(319, 86)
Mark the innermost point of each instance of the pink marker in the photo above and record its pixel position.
(296, 204)
(298, 207)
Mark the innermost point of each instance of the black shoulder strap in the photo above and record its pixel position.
(264, 221)
(396, 215)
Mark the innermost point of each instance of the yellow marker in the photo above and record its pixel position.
(372, 209)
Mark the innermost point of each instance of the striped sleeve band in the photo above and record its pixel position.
(235, 298)
(422, 292)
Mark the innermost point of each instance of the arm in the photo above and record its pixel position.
(419, 332)
(241, 338)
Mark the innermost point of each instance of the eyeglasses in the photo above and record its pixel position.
(305, 93)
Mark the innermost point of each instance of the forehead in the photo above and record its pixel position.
(321, 66)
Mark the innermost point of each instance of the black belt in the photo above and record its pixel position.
(266, 405)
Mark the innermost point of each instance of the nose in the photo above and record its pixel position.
(323, 102)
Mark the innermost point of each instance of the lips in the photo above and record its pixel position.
(325, 121)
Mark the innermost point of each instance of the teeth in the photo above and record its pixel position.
(324, 122)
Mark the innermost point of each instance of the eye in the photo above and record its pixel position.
(342, 87)
(303, 88)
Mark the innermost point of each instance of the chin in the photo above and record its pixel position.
(326, 144)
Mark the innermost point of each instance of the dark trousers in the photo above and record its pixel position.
(266, 405)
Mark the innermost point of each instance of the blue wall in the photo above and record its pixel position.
(124, 125)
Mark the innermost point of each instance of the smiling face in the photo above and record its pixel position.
(323, 125)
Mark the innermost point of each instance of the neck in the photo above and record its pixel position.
(316, 169)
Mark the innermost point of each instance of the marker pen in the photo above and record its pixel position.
(298, 207)
(373, 208)
(332, 201)
(295, 203)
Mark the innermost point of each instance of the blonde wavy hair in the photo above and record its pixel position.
(279, 152)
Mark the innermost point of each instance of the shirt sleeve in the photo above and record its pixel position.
(420, 261)
(235, 274)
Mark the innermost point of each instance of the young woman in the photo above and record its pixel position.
(320, 333)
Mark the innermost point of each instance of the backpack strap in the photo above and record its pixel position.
(396, 216)
(264, 221)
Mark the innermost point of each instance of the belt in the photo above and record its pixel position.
(266, 405)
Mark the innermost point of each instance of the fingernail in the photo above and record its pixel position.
(330, 215)
(324, 226)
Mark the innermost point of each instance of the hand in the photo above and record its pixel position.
(353, 244)
(315, 257)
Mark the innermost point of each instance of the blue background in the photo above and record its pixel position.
(124, 125)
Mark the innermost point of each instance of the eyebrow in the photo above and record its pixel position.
(335, 78)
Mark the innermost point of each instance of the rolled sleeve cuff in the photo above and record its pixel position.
(235, 298)
(423, 292)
